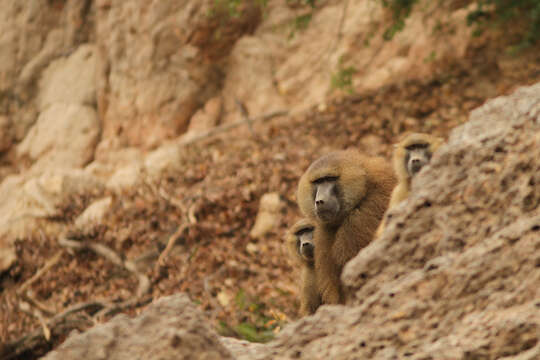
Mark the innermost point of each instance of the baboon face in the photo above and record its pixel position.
(332, 187)
(304, 244)
(412, 153)
(326, 198)
(416, 157)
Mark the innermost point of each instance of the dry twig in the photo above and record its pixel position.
(63, 323)
(226, 127)
(49, 264)
(109, 254)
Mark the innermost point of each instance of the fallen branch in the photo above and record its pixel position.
(109, 254)
(27, 309)
(36, 339)
(38, 305)
(170, 245)
(113, 309)
(226, 127)
(49, 264)
(63, 323)
(189, 215)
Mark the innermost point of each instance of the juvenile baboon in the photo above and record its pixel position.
(302, 250)
(345, 194)
(411, 154)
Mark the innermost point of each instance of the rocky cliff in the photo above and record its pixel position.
(149, 148)
(455, 275)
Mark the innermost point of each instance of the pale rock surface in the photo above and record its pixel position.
(283, 65)
(94, 213)
(165, 157)
(7, 254)
(250, 80)
(206, 118)
(50, 142)
(154, 70)
(32, 34)
(24, 200)
(267, 216)
(115, 162)
(70, 80)
(170, 328)
(125, 177)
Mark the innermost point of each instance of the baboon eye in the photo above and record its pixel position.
(303, 231)
(325, 179)
(417, 146)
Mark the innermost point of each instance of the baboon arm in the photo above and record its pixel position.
(399, 194)
(310, 298)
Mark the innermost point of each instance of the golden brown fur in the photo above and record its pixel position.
(402, 189)
(310, 298)
(363, 190)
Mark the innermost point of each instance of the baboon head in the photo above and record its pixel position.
(300, 241)
(331, 187)
(413, 153)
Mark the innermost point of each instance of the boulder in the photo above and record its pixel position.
(25, 199)
(154, 65)
(268, 215)
(50, 142)
(170, 328)
(70, 80)
(32, 34)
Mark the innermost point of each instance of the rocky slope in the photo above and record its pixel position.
(124, 128)
(455, 275)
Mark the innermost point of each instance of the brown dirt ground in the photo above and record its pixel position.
(220, 182)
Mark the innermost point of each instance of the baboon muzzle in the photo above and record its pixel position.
(326, 201)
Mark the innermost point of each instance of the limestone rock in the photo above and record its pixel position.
(94, 213)
(51, 143)
(126, 177)
(242, 349)
(164, 157)
(268, 215)
(70, 80)
(32, 34)
(282, 64)
(154, 68)
(207, 117)
(7, 254)
(170, 328)
(249, 75)
(25, 199)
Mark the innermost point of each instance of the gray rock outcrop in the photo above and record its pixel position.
(171, 328)
(454, 276)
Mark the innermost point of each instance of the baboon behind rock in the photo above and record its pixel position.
(411, 154)
(346, 194)
(300, 245)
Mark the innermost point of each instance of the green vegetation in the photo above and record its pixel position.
(257, 327)
(300, 23)
(487, 13)
(400, 11)
(342, 78)
(302, 2)
(229, 7)
(501, 12)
